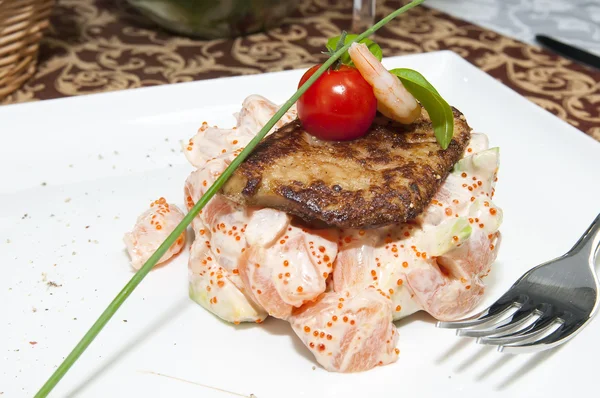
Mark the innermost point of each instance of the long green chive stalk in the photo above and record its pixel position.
(215, 187)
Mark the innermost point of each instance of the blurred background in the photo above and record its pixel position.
(576, 22)
(59, 48)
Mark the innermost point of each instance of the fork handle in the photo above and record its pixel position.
(589, 243)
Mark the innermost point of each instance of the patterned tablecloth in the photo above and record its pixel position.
(576, 22)
(102, 45)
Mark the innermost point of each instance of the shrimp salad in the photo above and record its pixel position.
(339, 289)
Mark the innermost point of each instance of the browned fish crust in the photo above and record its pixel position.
(388, 176)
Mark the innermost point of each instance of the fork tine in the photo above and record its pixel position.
(536, 330)
(490, 315)
(519, 322)
(566, 331)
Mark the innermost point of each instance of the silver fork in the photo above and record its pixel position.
(546, 307)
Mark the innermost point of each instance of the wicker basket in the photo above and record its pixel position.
(21, 27)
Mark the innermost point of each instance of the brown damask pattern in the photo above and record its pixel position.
(102, 45)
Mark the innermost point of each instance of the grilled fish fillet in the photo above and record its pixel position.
(387, 176)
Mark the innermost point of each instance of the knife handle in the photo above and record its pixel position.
(568, 51)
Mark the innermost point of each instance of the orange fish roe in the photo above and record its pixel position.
(299, 289)
(398, 308)
(397, 351)
(405, 264)
(315, 333)
(334, 318)
(345, 319)
(493, 211)
(399, 282)
(352, 322)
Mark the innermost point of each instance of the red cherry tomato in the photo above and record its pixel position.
(339, 106)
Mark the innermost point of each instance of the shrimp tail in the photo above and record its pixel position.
(393, 99)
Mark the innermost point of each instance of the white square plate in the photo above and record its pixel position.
(76, 173)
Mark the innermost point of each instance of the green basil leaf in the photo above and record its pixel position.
(345, 58)
(439, 111)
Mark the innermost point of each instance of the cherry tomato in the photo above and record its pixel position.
(339, 106)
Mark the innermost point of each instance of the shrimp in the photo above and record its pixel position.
(348, 332)
(290, 266)
(376, 259)
(151, 229)
(274, 263)
(393, 100)
(218, 289)
(437, 262)
(215, 143)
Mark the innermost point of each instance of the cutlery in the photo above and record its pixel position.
(568, 51)
(546, 307)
